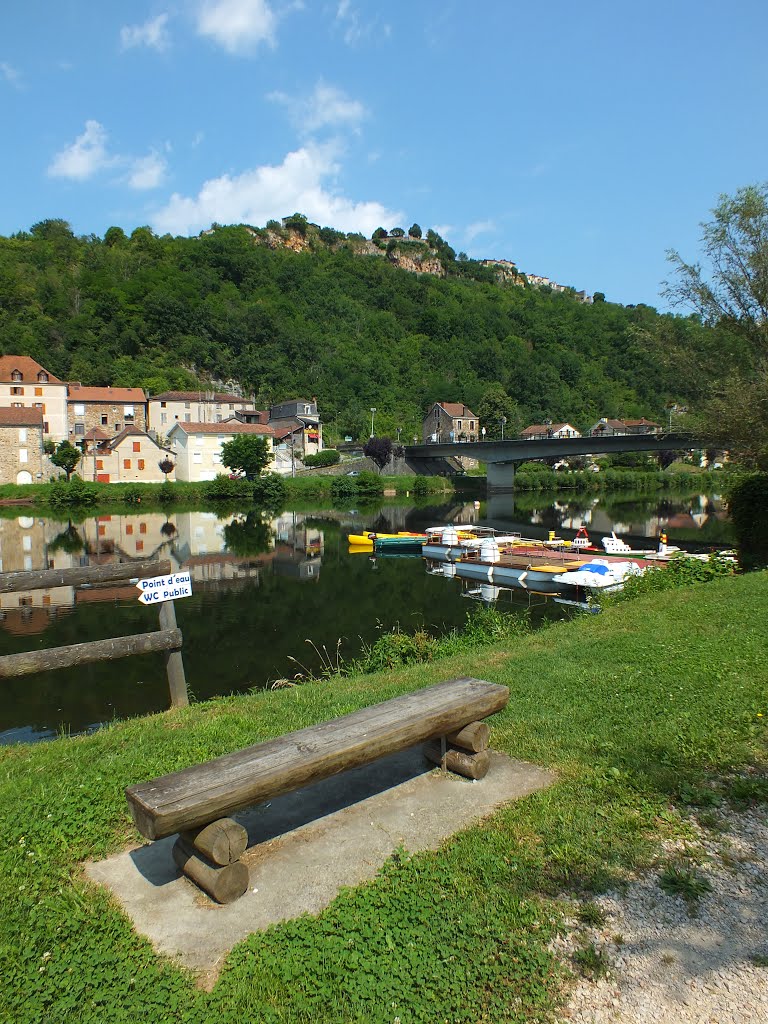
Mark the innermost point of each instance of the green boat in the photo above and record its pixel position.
(399, 545)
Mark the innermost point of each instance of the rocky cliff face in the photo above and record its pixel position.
(413, 257)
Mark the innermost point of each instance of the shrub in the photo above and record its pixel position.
(65, 494)
(343, 487)
(369, 485)
(420, 485)
(132, 495)
(270, 491)
(166, 493)
(224, 488)
(327, 457)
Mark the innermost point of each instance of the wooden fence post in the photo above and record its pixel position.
(174, 663)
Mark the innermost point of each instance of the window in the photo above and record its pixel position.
(137, 446)
(142, 527)
(471, 424)
(141, 463)
(45, 427)
(218, 417)
(79, 409)
(197, 456)
(199, 440)
(187, 405)
(459, 424)
(104, 420)
(16, 375)
(38, 391)
(102, 531)
(23, 455)
(187, 418)
(22, 435)
(79, 429)
(163, 405)
(46, 600)
(163, 418)
(126, 463)
(117, 428)
(139, 545)
(17, 391)
(99, 463)
(217, 457)
(17, 405)
(129, 529)
(26, 543)
(128, 412)
(42, 377)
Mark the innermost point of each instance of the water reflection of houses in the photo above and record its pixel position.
(194, 540)
(299, 548)
(28, 544)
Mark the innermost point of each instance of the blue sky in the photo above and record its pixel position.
(580, 140)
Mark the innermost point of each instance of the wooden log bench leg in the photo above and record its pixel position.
(464, 752)
(210, 857)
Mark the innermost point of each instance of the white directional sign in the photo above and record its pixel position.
(157, 589)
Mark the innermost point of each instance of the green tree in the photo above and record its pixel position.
(397, 233)
(732, 283)
(495, 405)
(246, 453)
(66, 457)
(379, 233)
(414, 231)
(730, 290)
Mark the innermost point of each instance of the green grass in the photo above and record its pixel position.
(652, 698)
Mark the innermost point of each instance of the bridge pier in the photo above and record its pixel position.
(500, 477)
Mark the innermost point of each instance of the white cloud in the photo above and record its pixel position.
(152, 33)
(443, 230)
(87, 155)
(237, 25)
(10, 74)
(354, 29)
(326, 106)
(479, 227)
(299, 183)
(147, 172)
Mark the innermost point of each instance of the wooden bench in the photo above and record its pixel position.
(196, 801)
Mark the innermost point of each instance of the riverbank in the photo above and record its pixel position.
(644, 712)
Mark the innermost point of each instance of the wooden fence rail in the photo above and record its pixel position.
(167, 639)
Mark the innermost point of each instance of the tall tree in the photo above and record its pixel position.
(378, 450)
(246, 453)
(66, 457)
(732, 282)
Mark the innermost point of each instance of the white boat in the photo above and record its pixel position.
(600, 575)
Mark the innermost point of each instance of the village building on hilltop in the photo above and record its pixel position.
(110, 409)
(21, 446)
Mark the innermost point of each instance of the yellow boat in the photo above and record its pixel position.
(365, 540)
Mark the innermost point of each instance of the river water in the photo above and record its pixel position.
(270, 600)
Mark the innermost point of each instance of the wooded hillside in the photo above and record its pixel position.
(338, 322)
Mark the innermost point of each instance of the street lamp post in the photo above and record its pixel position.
(398, 434)
(373, 413)
(482, 431)
(503, 421)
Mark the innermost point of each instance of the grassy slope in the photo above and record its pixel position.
(633, 709)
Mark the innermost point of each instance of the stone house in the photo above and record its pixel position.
(450, 421)
(197, 446)
(642, 426)
(25, 384)
(132, 456)
(22, 460)
(109, 409)
(541, 431)
(298, 424)
(173, 407)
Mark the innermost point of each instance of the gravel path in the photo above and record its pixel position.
(669, 966)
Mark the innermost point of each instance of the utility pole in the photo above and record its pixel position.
(373, 413)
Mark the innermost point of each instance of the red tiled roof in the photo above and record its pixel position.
(198, 396)
(456, 409)
(28, 368)
(96, 434)
(127, 396)
(131, 431)
(230, 427)
(640, 423)
(10, 417)
(543, 428)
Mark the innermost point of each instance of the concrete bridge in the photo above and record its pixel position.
(501, 457)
